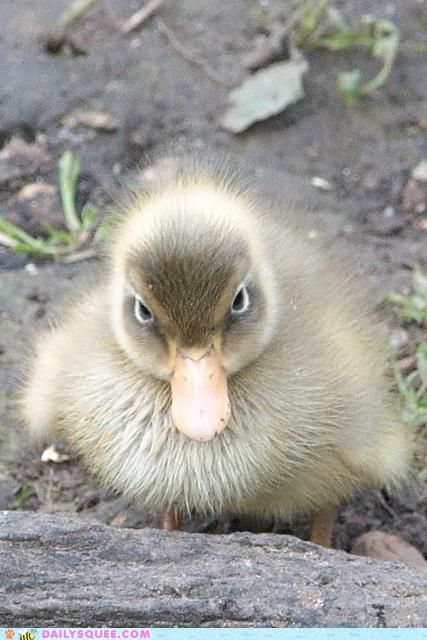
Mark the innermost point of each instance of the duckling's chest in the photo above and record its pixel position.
(130, 441)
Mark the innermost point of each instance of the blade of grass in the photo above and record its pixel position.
(75, 11)
(22, 242)
(16, 233)
(88, 216)
(69, 170)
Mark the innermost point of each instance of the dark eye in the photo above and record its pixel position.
(142, 312)
(240, 303)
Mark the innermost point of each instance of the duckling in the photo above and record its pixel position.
(219, 365)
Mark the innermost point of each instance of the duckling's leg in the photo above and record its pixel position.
(322, 523)
(171, 521)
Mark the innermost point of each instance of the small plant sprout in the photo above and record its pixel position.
(412, 307)
(385, 46)
(24, 493)
(322, 26)
(65, 245)
(413, 388)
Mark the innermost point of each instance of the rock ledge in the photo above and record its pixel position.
(64, 571)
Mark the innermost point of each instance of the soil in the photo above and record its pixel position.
(157, 99)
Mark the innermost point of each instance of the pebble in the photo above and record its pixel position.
(321, 184)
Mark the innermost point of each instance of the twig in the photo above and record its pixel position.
(386, 506)
(141, 16)
(189, 55)
(86, 254)
(272, 45)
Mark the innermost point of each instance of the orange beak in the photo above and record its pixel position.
(200, 404)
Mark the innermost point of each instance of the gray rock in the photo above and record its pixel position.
(63, 571)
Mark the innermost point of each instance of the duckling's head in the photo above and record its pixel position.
(193, 297)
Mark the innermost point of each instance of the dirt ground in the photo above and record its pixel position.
(156, 98)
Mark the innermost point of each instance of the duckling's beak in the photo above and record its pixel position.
(200, 404)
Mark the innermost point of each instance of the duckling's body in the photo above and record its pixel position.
(209, 302)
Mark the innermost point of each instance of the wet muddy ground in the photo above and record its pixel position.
(156, 98)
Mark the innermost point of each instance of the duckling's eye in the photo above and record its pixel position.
(142, 312)
(240, 303)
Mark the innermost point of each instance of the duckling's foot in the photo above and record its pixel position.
(171, 521)
(322, 524)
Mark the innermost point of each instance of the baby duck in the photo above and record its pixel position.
(221, 364)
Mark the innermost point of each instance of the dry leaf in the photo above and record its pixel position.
(264, 94)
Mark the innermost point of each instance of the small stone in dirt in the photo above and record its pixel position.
(389, 212)
(414, 198)
(31, 269)
(399, 339)
(407, 364)
(38, 206)
(55, 38)
(420, 171)
(20, 159)
(385, 546)
(50, 454)
(98, 120)
(119, 520)
(321, 183)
